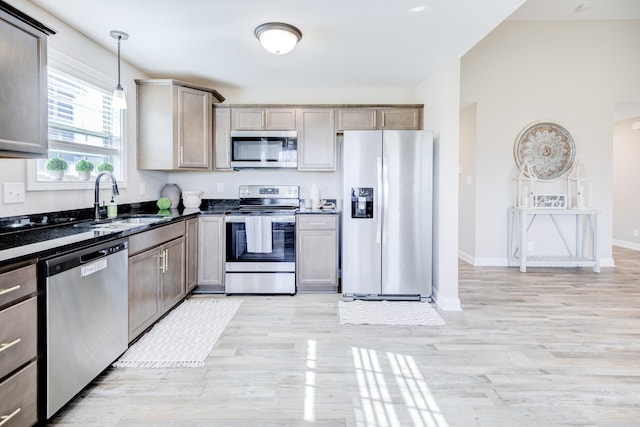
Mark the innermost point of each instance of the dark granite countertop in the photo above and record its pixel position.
(41, 236)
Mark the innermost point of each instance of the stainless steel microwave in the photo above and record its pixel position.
(264, 149)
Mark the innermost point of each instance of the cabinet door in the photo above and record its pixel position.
(401, 119)
(173, 278)
(211, 250)
(194, 128)
(317, 140)
(23, 89)
(280, 119)
(317, 260)
(248, 119)
(222, 140)
(357, 119)
(144, 291)
(191, 243)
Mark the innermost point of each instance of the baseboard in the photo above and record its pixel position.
(483, 262)
(627, 245)
(446, 303)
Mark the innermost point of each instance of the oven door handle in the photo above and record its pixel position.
(274, 219)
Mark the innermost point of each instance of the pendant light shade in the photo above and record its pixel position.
(278, 37)
(119, 101)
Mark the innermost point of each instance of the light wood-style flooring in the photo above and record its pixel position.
(550, 347)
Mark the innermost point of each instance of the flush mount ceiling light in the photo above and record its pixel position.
(119, 101)
(278, 37)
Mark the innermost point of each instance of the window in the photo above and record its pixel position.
(82, 126)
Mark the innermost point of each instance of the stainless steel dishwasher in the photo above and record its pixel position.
(86, 318)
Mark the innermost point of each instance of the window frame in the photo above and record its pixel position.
(83, 72)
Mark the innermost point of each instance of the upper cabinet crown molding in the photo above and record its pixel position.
(23, 104)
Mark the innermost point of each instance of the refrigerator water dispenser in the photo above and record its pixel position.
(361, 202)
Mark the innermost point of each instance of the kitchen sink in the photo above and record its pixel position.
(123, 223)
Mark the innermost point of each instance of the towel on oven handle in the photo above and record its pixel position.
(258, 229)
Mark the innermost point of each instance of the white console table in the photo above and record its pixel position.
(521, 219)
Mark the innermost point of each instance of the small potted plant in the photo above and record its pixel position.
(56, 167)
(105, 166)
(84, 169)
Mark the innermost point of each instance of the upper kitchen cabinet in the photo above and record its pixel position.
(23, 85)
(175, 125)
(316, 139)
(392, 118)
(222, 139)
(263, 119)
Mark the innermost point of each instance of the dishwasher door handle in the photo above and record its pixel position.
(94, 256)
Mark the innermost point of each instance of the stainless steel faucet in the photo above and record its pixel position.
(114, 191)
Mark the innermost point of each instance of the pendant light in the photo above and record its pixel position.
(119, 101)
(278, 37)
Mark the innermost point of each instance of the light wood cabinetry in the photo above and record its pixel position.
(379, 118)
(263, 119)
(175, 125)
(222, 139)
(211, 256)
(18, 345)
(23, 85)
(317, 259)
(156, 275)
(191, 252)
(316, 139)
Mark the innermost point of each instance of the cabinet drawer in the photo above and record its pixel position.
(17, 283)
(149, 239)
(316, 222)
(18, 342)
(18, 398)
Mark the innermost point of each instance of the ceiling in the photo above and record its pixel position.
(353, 43)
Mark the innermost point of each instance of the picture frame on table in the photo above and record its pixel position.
(550, 201)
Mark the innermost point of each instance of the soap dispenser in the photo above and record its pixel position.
(112, 209)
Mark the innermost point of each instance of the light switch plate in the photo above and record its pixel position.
(13, 192)
(220, 187)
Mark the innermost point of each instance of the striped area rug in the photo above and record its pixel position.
(184, 338)
(360, 312)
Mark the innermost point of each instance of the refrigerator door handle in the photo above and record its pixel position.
(378, 201)
(385, 189)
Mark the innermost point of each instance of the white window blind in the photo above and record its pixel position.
(82, 126)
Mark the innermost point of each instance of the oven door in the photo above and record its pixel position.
(276, 255)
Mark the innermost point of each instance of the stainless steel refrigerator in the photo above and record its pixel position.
(387, 215)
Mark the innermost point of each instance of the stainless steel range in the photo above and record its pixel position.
(261, 241)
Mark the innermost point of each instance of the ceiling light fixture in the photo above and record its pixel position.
(119, 101)
(635, 125)
(278, 37)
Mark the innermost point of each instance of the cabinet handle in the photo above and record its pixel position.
(317, 223)
(165, 259)
(264, 119)
(181, 154)
(383, 120)
(6, 418)
(6, 291)
(375, 118)
(6, 345)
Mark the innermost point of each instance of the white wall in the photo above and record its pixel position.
(467, 182)
(567, 72)
(440, 93)
(626, 176)
(73, 44)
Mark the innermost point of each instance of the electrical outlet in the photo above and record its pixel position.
(531, 246)
(636, 233)
(220, 187)
(143, 189)
(13, 192)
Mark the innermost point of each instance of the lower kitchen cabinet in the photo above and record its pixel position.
(191, 252)
(156, 275)
(211, 252)
(18, 345)
(317, 258)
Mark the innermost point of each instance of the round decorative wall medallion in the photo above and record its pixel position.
(547, 147)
